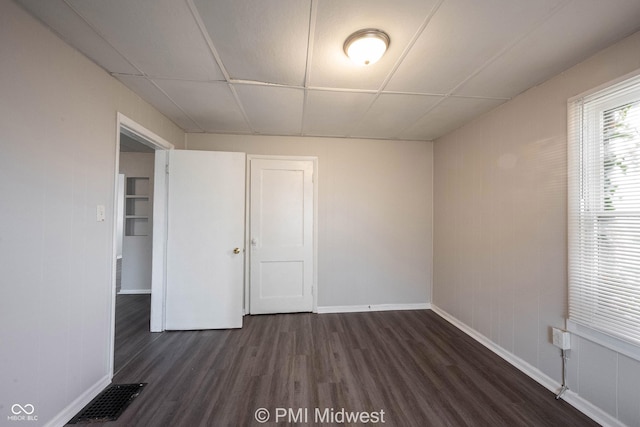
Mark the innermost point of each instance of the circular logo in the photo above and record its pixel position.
(262, 415)
(17, 409)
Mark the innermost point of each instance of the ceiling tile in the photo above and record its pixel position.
(64, 21)
(160, 37)
(210, 104)
(555, 46)
(271, 109)
(334, 113)
(449, 115)
(461, 37)
(154, 96)
(260, 40)
(393, 113)
(479, 51)
(338, 19)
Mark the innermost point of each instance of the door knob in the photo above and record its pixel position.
(236, 251)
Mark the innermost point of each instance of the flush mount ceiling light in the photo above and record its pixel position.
(365, 47)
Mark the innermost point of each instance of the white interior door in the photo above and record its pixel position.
(281, 236)
(205, 236)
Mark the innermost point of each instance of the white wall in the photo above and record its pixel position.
(137, 250)
(500, 242)
(57, 134)
(374, 225)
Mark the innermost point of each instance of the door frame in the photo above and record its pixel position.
(247, 243)
(158, 273)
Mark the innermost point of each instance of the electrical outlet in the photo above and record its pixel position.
(561, 339)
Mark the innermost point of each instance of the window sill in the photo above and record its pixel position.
(612, 343)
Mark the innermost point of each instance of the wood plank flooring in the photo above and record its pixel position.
(414, 365)
(132, 328)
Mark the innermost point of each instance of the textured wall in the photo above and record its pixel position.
(374, 225)
(58, 136)
(500, 241)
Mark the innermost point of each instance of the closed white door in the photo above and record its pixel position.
(205, 262)
(281, 236)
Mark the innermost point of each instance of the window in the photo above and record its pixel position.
(604, 211)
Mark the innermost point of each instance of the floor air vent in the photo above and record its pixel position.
(109, 404)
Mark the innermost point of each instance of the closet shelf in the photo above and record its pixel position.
(137, 206)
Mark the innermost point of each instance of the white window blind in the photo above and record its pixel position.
(604, 210)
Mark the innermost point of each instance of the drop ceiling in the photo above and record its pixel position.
(277, 67)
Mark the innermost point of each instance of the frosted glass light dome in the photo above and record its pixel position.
(366, 47)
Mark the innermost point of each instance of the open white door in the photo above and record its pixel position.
(205, 261)
(281, 233)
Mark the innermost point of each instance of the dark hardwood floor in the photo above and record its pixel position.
(132, 328)
(413, 365)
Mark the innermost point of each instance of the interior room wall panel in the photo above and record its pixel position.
(500, 231)
(374, 213)
(58, 140)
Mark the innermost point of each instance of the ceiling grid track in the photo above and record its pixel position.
(152, 82)
(339, 89)
(268, 84)
(493, 98)
(500, 53)
(313, 15)
(241, 107)
(395, 67)
(176, 104)
(216, 57)
(102, 36)
(141, 73)
(510, 46)
(409, 46)
(169, 53)
(207, 39)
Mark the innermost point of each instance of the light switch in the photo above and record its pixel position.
(101, 213)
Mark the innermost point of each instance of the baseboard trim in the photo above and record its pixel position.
(590, 410)
(70, 411)
(572, 398)
(374, 307)
(134, 292)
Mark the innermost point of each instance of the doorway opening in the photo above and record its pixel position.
(135, 240)
(138, 241)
